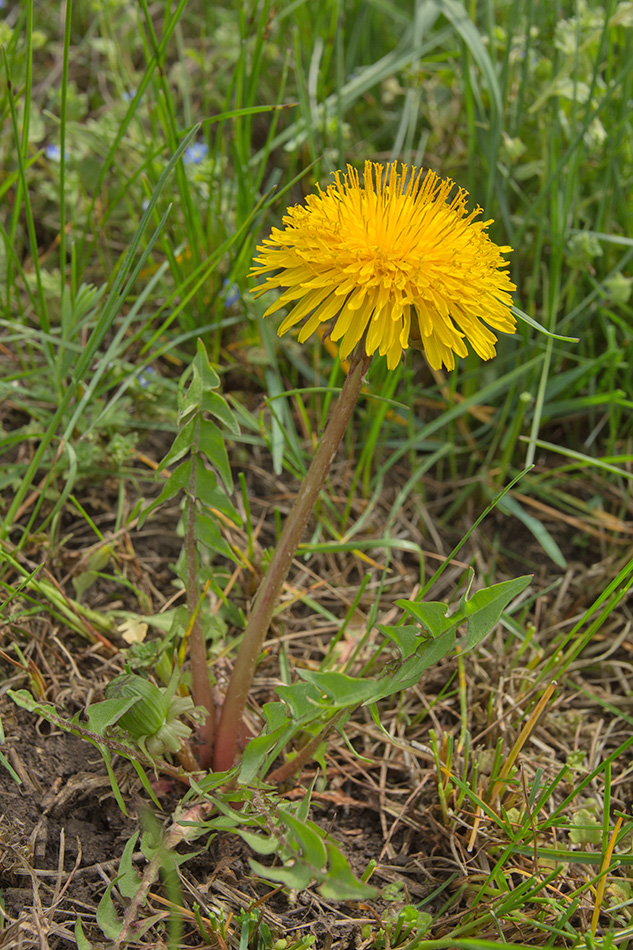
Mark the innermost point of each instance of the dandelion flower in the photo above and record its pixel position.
(394, 262)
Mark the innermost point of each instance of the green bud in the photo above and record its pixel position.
(148, 715)
(153, 719)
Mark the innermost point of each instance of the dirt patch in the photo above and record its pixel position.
(62, 830)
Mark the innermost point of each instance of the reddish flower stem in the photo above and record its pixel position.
(226, 739)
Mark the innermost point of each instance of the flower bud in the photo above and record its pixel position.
(149, 714)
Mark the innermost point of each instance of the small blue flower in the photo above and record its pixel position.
(145, 204)
(145, 377)
(195, 153)
(54, 152)
(232, 293)
(128, 95)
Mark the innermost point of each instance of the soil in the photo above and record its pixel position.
(61, 823)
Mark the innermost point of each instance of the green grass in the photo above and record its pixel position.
(115, 258)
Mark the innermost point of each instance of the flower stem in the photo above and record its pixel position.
(200, 685)
(261, 614)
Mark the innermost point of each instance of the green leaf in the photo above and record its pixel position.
(258, 750)
(178, 479)
(162, 622)
(309, 841)
(340, 883)
(297, 877)
(211, 444)
(106, 916)
(116, 791)
(483, 610)
(276, 715)
(203, 376)
(181, 445)
(128, 881)
(521, 315)
(80, 938)
(302, 699)
(201, 395)
(218, 407)
(406, 638)
(22, 698)
(303, 805)
(145, 782)
(431, 616)
(207, 532)
(207, 375)
(341, 689)
(241, 816)
(211, 494)
(108, 712)
(432, 651)
(14, 775)
(258, 842)
(225, 823)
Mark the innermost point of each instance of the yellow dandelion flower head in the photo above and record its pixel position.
(394, 262)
